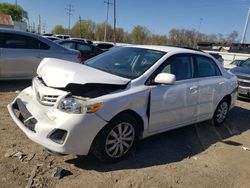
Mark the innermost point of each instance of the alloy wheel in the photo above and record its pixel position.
(222, 112)
(119, 140)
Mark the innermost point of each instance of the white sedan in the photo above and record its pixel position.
(120, 96)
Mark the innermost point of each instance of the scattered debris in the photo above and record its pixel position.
(29, 157)
(19, 155)
(59, 173)
(195, 158)
(50, 164)
(245, 148)
(10, 153)
(32, 176)
(14, 153)
(17, 91)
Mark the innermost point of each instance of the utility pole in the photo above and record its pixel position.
(106, 23)
(114, 22)
(201, 19)
(245, 28)
(80, 26)
(69, 12)
(16, 3)
(39, 25)
(44, 28)
(198, 33)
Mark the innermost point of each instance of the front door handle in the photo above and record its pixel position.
(193, 89)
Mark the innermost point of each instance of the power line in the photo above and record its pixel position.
(106, 23)
(69, 11)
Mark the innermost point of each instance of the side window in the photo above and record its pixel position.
(84, 48)
(207, 67)
(179, 65)
(70, 45)
(23, 42)
(36, 44)
(1, 40)
(15, 41)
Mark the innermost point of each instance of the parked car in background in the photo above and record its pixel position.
(242, 71)
(104, 46)
(107, 104)
(52, 38)
(21, 53)
(62, 36)
(234, 63)
(87, 50)
(82, 40)
(218, 57)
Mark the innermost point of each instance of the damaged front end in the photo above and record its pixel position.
(92, 90)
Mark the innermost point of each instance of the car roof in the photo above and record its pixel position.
(168, 48)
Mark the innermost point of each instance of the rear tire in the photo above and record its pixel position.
(118, 138)
(221, 112)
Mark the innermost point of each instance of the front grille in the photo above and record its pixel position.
(243, 77)
(49, 100)
(244, 84)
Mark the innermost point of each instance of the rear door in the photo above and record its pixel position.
(211, 86)
(20, 56)
(174, 105)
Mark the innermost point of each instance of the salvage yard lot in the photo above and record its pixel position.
(199, 155)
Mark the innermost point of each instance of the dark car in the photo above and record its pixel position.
(87, 50)
(218, 57)
(242, 71)
(104, 46)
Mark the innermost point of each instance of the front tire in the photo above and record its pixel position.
(220, 113)
(116, 141)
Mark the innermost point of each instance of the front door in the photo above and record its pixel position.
(174, 105)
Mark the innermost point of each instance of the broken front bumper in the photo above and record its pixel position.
(40, 122)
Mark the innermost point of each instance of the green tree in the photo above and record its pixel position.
(16, 12)
(119, 34)
(140, 35)
(158, 40)
(59, 29)
(99, 32)
(84, 29)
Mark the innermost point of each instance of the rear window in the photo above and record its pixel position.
(207, 67)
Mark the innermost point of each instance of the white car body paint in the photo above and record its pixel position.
(171, 106)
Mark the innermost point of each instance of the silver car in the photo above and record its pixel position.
(21, 53)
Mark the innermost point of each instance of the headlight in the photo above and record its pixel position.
(78, 106)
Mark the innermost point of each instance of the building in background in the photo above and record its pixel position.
(6, 21)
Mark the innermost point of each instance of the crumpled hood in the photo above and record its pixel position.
(59, 73)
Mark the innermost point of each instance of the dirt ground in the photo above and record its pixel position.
(199, 155)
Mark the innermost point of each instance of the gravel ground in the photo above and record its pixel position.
(199, 155)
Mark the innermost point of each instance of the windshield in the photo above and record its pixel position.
(246, 63)
(126, 62)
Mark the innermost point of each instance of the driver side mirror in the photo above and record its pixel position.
(165, 78)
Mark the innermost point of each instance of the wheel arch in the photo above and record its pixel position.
(131, 113)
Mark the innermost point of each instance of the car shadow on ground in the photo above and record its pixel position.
(174, 146)
(14, 85)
